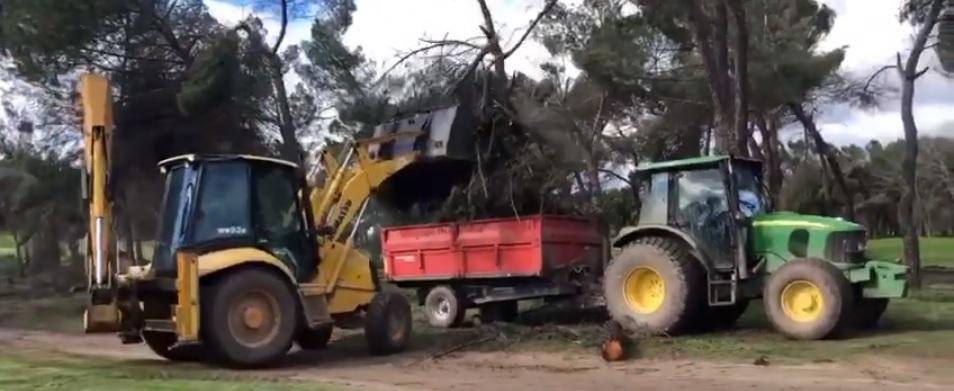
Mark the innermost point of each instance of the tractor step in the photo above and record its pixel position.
(723, 292)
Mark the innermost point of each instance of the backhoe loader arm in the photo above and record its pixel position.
(95, 107)
(337, 206)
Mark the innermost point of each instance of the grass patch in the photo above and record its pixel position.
(7, 245)
(59, 313)
(34, 371)
(934, 251)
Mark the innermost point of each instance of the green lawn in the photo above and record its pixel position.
(28, 371)
(7, 246)
(934, 251)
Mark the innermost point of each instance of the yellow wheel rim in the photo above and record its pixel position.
(644, 290)
(802, 301)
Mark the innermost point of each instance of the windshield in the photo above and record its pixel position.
(748, 182)
(170, 220)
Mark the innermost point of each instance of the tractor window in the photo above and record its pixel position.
(703, 211)
(655, 199)
(223, 202)
(747, 181)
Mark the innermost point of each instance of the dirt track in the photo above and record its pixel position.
(350, 366)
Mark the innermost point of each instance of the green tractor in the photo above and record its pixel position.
(704, 248)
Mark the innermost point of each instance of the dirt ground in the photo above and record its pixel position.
(350, 367)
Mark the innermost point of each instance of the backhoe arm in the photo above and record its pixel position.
(95, 107)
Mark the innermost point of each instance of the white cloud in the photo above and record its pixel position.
(870, 30)
(386, 28)
(874, 36)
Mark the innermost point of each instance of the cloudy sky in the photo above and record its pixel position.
(869, 28)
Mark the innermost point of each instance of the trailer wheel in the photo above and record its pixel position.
(655, 286)
(808, 299)
(388, 324)
(315, 339)
(444, 307)
(501, 311)
(163, 344)
(868, 311)
(250, 317)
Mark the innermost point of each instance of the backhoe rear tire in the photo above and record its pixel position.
(654, 286)
(249, 317)
(808, 299)
(387, 327)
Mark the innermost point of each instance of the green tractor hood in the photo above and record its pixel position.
(789, 221)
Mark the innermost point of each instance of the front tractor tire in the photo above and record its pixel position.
(654, 286)
(808, 299)
(387, 326)
(249, 317)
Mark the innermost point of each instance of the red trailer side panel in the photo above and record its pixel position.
(528, 246)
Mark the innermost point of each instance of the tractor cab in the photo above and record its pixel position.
(712, 200)
(220, 202)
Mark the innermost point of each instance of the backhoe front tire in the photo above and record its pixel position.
(249, 317)
(654, 286)
(808, 299)
(387, 327)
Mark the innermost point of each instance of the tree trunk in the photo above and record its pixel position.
(773, 165)
(291, 150)
(741, 119)
(808, 122)
(45, 251)
(21, 265)
(908, 211)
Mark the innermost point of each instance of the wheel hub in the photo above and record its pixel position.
(254, 318)
(644, 290)
(802, 301)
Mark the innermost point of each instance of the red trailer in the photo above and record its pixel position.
(490, 264)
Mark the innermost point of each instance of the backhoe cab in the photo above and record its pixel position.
(705, 246)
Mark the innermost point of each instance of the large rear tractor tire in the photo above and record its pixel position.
(654, 286)
(868, 312)
(249, 317)
(315, 339)
(808, 299)
(444, 307)
(164, 344)
(388, 324)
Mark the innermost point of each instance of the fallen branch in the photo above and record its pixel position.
(465, 345)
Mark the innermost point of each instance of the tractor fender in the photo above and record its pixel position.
(628, 234)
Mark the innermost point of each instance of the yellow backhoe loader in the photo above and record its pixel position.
(250, 258)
